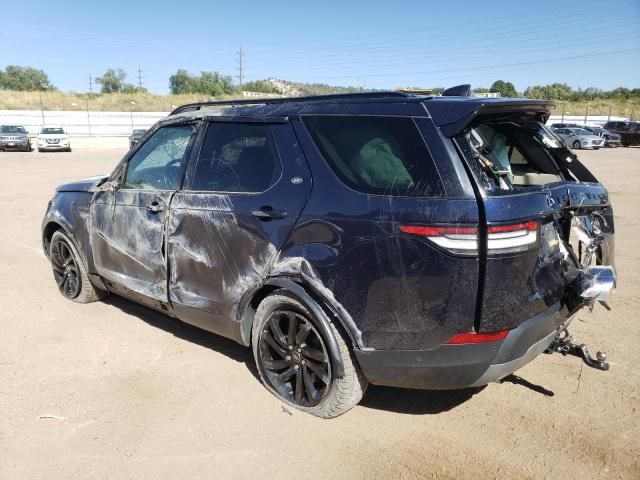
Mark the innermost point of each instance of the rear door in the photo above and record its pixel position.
(534, 195)
(242, 196)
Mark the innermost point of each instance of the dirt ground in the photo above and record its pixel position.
(139, 395)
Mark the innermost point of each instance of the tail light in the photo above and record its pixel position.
(461, 239)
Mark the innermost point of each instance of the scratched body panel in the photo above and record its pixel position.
(127, 240)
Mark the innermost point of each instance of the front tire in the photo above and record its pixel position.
(294, 363)
(576, 145)
(69, 271)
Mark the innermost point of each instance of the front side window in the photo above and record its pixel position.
(236, 157)
(157, 165)
(376, 155)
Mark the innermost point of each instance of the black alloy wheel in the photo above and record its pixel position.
(293, 358)
(65, 269)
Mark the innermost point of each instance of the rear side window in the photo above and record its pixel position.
(236, 157)
(377, 155)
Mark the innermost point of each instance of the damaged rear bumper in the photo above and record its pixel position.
(466, 365)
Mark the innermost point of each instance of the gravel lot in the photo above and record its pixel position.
(142, 396)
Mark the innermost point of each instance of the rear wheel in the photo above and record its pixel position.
(69, 271)
(576, 145)
(294, 362)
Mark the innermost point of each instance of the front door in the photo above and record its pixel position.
(241, 199)
(129, 221)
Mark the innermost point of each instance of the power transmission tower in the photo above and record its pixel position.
(239, 68)
(90, 84)
(139, 78)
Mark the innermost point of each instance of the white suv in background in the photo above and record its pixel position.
(53, 138)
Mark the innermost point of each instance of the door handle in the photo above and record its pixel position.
(268, 213)
(154, 207)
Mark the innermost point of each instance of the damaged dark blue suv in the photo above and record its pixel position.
(384, 238)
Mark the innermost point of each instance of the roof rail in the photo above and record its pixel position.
(271, 101)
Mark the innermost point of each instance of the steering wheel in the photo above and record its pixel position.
(167, 174)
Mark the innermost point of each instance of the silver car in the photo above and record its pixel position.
(14, 137)
(579, 138)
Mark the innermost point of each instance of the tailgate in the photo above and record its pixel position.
(547, 221)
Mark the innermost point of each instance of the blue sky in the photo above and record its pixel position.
(366, 43)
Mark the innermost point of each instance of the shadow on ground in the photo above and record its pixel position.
(416, 402)
(186, 332)
(399, 400)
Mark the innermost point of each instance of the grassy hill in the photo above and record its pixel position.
(147, 102)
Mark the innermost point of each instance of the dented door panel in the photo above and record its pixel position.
(219, 248)
(127, 240)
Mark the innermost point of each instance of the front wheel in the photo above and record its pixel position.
(69, 272)
(576, 145)
(294, 363)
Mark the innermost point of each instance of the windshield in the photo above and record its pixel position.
(12, 129)
(581, 131)
(57, 131)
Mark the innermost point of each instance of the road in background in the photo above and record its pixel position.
(138, 395)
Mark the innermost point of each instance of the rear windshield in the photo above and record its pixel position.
(376, 155)
(512, 155)
(12, 129)
(58, 131)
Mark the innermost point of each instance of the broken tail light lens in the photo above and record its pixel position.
(514, 237)
(473, 337)
(463, 239)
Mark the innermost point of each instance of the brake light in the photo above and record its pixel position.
(473, 337)
(511, 238)
(455, 238)
(463, 239)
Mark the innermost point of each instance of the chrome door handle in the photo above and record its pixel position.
(154, 207)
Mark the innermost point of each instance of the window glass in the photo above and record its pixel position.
(236, 157)
(515, 154)
(158, 163)
(377, 155)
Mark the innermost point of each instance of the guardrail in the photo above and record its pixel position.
(82, 123)
(79, 123)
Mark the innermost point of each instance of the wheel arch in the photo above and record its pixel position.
(321, 308)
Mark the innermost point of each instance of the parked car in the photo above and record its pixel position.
(135, 136)
(53, 139)
(610, 139)
(577, 138)
(380, 238)
(14, 137)
(629, 131)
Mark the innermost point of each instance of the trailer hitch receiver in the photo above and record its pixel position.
(564, 344)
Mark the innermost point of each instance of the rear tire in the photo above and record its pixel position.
(69, 272)
(295, 366)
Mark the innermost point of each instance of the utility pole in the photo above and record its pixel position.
(239, 68)
(139, 78)
(88, 96)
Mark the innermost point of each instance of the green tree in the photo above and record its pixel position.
(15, 77)
(260, 86)
(207, 83)
(506, 89)
(481, 90)
(555, 91)
(112, 81)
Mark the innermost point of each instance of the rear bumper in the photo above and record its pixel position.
(468, 365)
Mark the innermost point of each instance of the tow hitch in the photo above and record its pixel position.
(563, 343)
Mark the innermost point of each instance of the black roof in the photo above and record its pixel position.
(452, 111)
